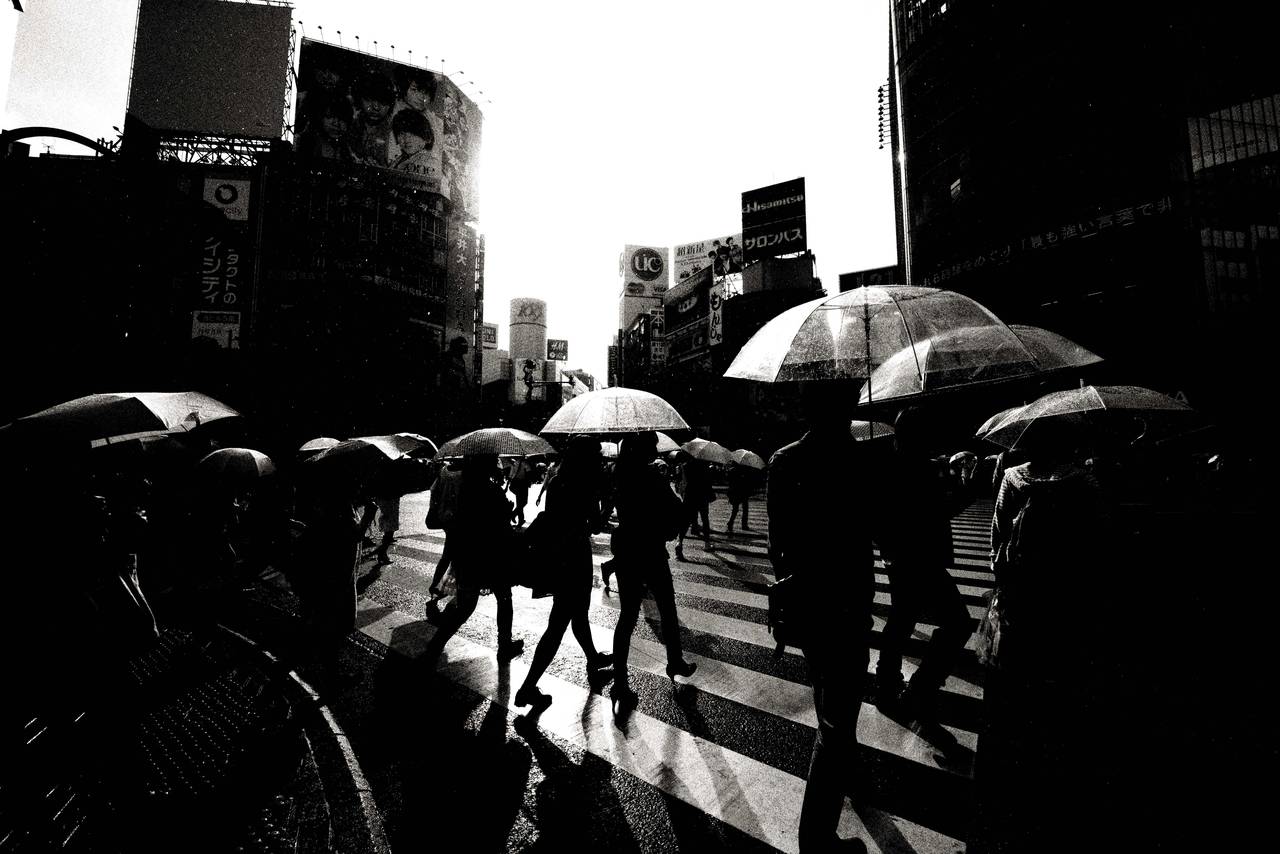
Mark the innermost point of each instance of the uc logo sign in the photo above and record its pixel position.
(647, 264)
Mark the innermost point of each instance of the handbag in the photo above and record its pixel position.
(782, 618)
(991, 631)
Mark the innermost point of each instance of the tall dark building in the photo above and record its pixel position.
(1108, 171)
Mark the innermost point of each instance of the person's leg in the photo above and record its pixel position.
(630, 594)
(506, 616)
(442, 566)
(557, 622)
(664, 594)
(897, 628)
(733, 514)
(837, 667)
(705, 512)
(941, 601)
(746, 507)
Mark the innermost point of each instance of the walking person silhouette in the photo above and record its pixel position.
(649, 515)
(824, 545)
(480, 537)
(573, 514)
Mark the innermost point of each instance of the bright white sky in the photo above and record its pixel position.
(610, 123)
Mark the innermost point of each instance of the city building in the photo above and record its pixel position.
(1107, 171)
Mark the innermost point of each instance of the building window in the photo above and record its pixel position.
(1235, 133)
(955, 189)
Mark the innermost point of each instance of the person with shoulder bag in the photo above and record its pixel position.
(562, 554)
(650, 515)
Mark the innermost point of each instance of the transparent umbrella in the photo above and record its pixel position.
(317, 445)
(614, 410)
(982, 431)
(410, 443)
(849, 335)
(972, 355)
(1142, 412)
(666, 444)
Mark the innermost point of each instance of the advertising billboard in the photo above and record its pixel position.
(359, 109)
(773, 221)
(211, 67)
(557, 350)
(874, 277)
(688, 301)
(715, 329)
(722, 254)
(644, 271)
(489, 336)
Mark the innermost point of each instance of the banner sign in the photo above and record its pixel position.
(359, 109)
(557, 349)
(773, 221)
(489, 336)
(221, 326)
(688, 301)
(230, 197)
(644, 271)
(722, 254)
(715, 331)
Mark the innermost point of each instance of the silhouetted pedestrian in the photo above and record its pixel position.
(697, 494)
(649, 515)
(573, 514)
(742, 482)
(824, 545)
(518, 483)
(917, 553)
(440, 512)
(480, 537)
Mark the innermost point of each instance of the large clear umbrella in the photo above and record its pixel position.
(237, 465)
(991, 422)
(119, 416)
(614, 410)
(666, 444)
(849, 335)
(865, 430)
(972, 355)
(1138, 412)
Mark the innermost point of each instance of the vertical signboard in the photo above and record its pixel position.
(225, 277)
(773, 221)
(715, 329)
(489, 336)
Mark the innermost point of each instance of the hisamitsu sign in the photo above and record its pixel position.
(773, 220)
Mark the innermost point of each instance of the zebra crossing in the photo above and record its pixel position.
(735, 742)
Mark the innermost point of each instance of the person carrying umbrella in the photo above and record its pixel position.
(824, 545)
(480, 537)
(917, 556)
(649, 514)
(518, 483)
(742, 482)
(573, 514)
(697, 493)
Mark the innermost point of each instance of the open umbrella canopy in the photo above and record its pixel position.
(708, 451)
(863, 430)
(849, 335)
(750, 459)
(972, 355)
(409, 443)
(1140, 412)
(991, 422)
(614, 410)
(316, 445)
(238, 464)
(358, 458)
(666, 444)
(111, 417)
(503, 441)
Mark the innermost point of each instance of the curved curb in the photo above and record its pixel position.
(369, 817)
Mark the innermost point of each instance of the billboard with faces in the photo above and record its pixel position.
(363, 110)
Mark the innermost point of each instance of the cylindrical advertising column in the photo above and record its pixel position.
(528, 329)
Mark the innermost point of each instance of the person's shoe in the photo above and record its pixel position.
(747, 527)
(528, 695)
(680, 553)
(434, 591)
(383, 559)
(624, 699)
(729, 528)
(888, 693)
(606, 572)
(684, 668)
(600, 661)
(510, 649)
